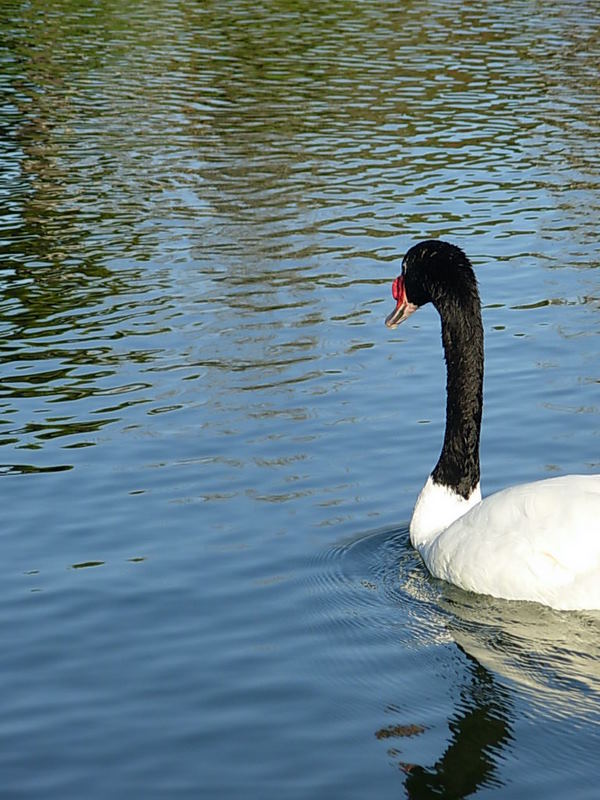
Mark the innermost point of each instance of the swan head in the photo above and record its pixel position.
(432, 272)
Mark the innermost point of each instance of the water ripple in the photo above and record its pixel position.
(378, 583)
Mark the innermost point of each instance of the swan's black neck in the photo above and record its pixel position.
(462, 338)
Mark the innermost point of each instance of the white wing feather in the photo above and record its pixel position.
(538, 541)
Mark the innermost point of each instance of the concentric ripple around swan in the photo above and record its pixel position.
(377, 580)
(376, 586)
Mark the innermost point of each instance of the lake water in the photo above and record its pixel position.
(210, 443)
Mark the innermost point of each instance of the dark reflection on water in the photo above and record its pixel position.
(492, 654)
(479, 732)
(201, 208)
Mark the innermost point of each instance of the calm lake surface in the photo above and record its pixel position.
(210, 443)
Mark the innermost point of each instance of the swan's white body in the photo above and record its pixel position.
(537, 541)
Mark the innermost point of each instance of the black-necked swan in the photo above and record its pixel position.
(539, 541)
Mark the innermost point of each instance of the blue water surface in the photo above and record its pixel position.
(210, 445)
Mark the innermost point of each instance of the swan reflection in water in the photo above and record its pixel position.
(513, 650)
(516, 669)
(479, 732)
